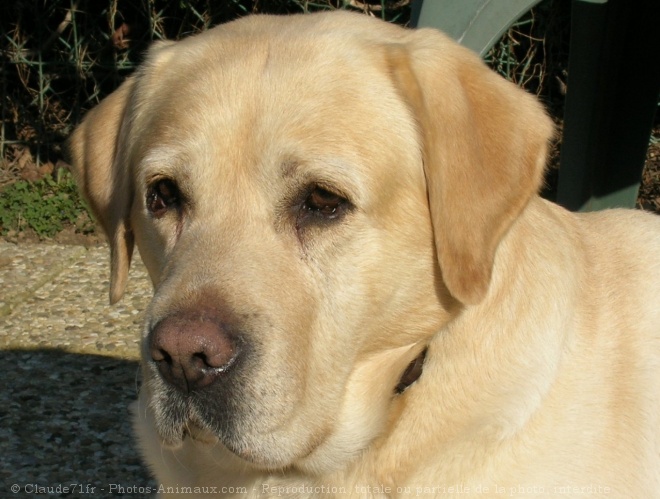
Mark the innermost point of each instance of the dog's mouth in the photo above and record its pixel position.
(176, 418)
(183, 419)
(199, 432)
(219, 418)
(242, 418)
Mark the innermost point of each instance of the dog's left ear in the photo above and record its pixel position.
(484, 143)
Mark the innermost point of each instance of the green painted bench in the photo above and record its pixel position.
(613, 86)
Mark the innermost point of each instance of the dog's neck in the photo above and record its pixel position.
(412, 373)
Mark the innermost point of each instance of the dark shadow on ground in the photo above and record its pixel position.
(64, 422)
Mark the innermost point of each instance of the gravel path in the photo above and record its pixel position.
(68, 371)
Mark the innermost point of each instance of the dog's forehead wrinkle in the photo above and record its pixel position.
(332, 173)
(164, 161)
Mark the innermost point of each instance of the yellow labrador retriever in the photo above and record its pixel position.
(358, 291)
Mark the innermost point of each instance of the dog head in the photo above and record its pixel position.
(314, 197)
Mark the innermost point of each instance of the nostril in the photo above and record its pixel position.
(220, 359)
(160, 355)
(211, 365)
(202, 360)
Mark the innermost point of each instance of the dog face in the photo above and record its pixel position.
(313, 197)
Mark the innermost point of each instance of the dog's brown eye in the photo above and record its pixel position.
(324, 203)
(161, 196)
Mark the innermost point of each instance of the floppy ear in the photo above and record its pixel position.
(105, 181)
(99, 155)
(484, 144)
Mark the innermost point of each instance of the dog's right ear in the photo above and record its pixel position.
(99, 155)
(104, 180)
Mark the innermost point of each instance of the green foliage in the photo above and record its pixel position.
(45, 206)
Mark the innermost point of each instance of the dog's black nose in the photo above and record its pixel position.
(192, 349)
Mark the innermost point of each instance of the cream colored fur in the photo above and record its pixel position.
(542, 376)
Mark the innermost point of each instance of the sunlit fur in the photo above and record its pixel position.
(542, 326)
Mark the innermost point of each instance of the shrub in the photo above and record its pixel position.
(45, 206)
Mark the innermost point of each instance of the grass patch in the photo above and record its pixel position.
(45, 206)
